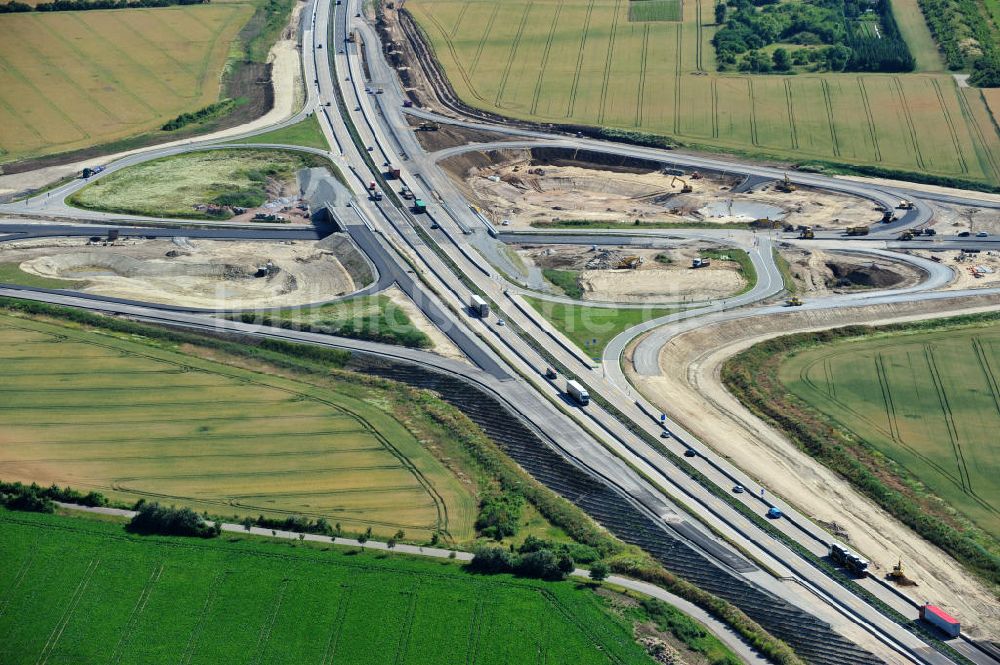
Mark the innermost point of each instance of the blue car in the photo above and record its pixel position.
(774, 513)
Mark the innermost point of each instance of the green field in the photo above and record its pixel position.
(930, 402)
(591, 328)
(135, 419)
(172, 186)
(71, 80)
(11, 273)
(78, 592)
(306, 133)
(584, 61)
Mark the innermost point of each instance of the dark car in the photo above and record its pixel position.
(690, 453)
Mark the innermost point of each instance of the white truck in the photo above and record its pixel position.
(578, 393)
(480, 307)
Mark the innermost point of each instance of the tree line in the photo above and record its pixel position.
(966, 38)
(83, 5)
(38, 499)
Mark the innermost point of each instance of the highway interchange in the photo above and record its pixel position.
(408, 250)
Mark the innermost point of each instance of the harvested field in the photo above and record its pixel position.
(530, 189)
(214, 184)
(76, 79)
(213, 436)
(234, 600)
(190, 273)
(665, 275)
(585, 62)
(817, 272)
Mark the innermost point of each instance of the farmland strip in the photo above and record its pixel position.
(985, 365)
(871, 118)
(890, 407)
(406, 630)
(829, 115)
(475, 629)
(677, 80)
(909, 120)
(213, 590)
(949, 420)
(641, 92)
(579, 60)
(750, 106)
(513, 51)
(133, 620)
(991, 167)
(458, 20)
(698, 38)
(265, 631)
(951, 125)
(793, 133)
(338, 625)
(609, 60)
(458, 61)
(74, 601)
(22, 572)
(715, 107)
(482, 42)
(545, 57)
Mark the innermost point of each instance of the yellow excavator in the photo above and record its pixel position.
(794, 301)
(685, 187)
(629, 262)
(785, 185)
(898, 575)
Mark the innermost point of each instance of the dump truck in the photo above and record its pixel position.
(807, 233)
(848, 559)
(794, 301)
(905, 205)
(419, 206)
(479, 307)
(701, 263)
(888, 216)
(906, 235)
(940, 619)
(857, 230)
(578, 393)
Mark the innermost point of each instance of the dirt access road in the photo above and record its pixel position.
(690, 390)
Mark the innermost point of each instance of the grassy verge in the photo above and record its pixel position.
(374, 318)
(591, 328)
(746, 268)
(786, 271)
(174, 186)
(306, 133)
(752, 377)
(11, 273)
(566, 280)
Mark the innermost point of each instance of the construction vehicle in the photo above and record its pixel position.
(701, 263)
(888, 216)
(930, 232)
(857, 230)
(807, 233)
(479, 307)
(429, 127)
(419, 206)
(685, 187)
(794, 301)
(578, 393)
(905, 205)
(848, 559)
(695, 175)
(898, 575)
(785, 185)
(629, 263)
(906, 235)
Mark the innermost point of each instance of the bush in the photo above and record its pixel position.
(243, 198)
(499, 515)
(492, 559)
(152, 518)
(18, 496)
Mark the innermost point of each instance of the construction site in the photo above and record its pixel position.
(184, 272)
(541, 187)
(818, 272)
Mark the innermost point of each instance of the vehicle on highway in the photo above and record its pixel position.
(371, 149)
(964, 234)
(578, 393)
(690, 453)
(501, 322)
(664, 434)
(738, 489)
(982, 234)
(774, 513)
(551, 373)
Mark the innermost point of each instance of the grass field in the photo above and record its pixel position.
(75, 79)
(591, 328)
(306, 133)
(11, 273)
(78, 591)
(170, 187)
(583, 61)
(930, 402)
(136, 420)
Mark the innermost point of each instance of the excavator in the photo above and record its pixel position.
(785, 185)
(629, 262)
(685, 187)
(898, 575)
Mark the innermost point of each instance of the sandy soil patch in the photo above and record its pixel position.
(971, 270)
(952, 219)
(192, 273)
(690, 389)
(286, 80)
(817, 272)
(663, 275)
(441, 344)
(523, 190)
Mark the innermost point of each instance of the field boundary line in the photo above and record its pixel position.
(133, 619)
(220, 578)
(951, 125)
(715, 107)
(872, 132)
(264, 638)
(482, 40)
(793, 131)
(15, 584)
(751, 98)
(677, 78)
(992, 165)
(458, 62)
(406, 629)
(571, 107)
(909, 121)
(475, 626)
(829, 116)
(458, 20)
(513, 52)
(545, 57)
(609, 61)
(74, 602)
(338, 625)
(987, 368)
(698, 35)
(890, 405)
(641, 92)
(949, 419)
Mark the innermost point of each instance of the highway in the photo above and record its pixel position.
(423, 260)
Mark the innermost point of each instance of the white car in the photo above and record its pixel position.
(982, 234)
(501, 322)
(738, 489)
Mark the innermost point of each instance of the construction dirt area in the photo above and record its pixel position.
(972, 269)
(197, 273)
(521, 188)
(657, 275)
(690, 390)
(952, 219)
(818, 272)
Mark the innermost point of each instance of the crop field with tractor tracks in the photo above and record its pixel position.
(586, 62)
(135, 419)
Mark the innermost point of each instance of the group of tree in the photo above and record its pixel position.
(830, 32)
(82, 5)
(966, 37)
(499, 515)
(34, 498)
(207, 113)
(152, 518)
(537, 558)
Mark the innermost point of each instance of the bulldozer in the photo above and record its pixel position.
(898, 575)
(685, 187)
(794, 301)
(629, 262)
(807, 233)
(785, 185)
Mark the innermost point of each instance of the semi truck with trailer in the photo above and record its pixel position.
(578, 393)
(479, 307)
(848, 559)
(940, 619)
